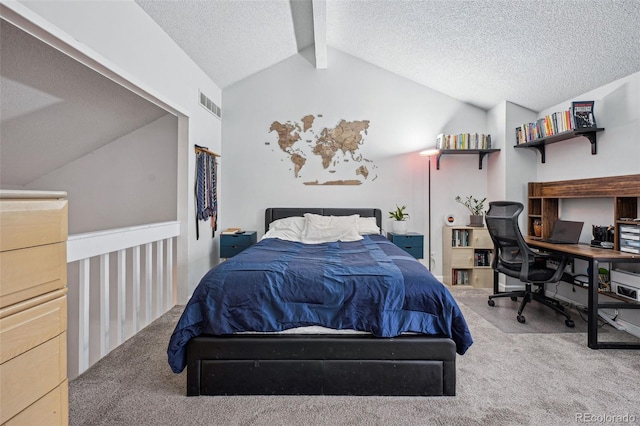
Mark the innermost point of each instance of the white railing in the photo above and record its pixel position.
(120, 279)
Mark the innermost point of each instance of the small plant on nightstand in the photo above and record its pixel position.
(400, 216)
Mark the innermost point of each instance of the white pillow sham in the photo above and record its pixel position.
(288, 228)
(367, 226)
(324, 229)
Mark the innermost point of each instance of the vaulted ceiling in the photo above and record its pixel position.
(535, 53)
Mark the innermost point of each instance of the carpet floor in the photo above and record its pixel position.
(505, 378)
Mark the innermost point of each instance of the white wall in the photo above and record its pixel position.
(138, 52)
(130, 181)
(617, 109)
(405, 118)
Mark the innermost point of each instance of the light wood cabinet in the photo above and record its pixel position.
(467, 254)
(33, 308)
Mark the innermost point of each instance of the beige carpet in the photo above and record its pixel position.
(504, 379)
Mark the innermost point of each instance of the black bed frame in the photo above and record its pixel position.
(302, 364)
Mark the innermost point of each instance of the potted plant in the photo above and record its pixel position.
(476, 207)
(400, 219)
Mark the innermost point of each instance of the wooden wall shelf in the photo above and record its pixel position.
(481, 154)
(539, 144)
(544, 199)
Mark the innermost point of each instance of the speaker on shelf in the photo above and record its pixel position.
(450, 219)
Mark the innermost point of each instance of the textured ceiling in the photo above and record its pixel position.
(535, 53)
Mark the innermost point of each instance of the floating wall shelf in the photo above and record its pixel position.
(539, 144)
(481, 153)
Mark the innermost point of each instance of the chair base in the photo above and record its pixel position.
(528, 295)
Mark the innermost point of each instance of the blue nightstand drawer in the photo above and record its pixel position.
(232, 244)
(412, 243)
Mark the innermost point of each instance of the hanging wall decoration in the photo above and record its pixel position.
(206, 194)
(336, 152)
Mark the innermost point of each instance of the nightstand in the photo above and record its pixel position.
(232, 244)
(411, 242)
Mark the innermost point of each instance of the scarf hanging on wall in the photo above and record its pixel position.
(206, 193)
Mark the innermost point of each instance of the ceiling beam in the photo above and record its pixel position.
(320, 32)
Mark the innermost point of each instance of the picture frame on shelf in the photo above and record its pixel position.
(583, 115)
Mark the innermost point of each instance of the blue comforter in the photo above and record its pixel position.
(369, 285)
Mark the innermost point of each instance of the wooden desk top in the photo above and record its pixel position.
(582, 251)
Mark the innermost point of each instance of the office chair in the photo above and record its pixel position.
(514, 258)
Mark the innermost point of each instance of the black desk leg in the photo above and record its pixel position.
(592, 306)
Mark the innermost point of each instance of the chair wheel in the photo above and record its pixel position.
(515, 299)
(521, 319)
(491, 302)
(569, 323)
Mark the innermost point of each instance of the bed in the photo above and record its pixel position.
(387, 326)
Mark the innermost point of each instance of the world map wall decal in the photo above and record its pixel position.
(337, 150)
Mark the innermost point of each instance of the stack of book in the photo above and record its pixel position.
(579, 116)
(630, 238)
(463, 141)
(460, 277)
(460, 238)
(548, 125)
(482, 258)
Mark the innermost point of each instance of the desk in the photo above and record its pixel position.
(593, 256)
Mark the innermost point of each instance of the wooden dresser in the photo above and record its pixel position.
(33, 308)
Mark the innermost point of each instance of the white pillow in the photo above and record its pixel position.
(324, 229)
(293, 223)
(367, 225)
(289, 229)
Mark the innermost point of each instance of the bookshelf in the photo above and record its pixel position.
(467, 255)
(464, 143)
(540, 143)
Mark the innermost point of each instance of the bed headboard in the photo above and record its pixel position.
(275, 213)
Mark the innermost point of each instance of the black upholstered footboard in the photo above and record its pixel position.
(321, 365)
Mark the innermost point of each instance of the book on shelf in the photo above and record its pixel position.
(549, 125)
(460, 277)
(583, 115)
(482, 258)
(460, 238)
(463, 141)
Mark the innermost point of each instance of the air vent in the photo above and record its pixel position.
(210, 105)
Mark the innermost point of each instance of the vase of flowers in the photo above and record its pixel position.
(400, 216)
(476, 207)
